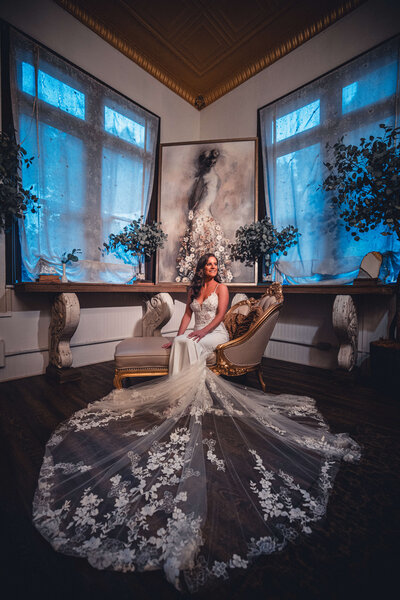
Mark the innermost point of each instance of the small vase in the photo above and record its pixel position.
(64, 274)
(266, 269)
(141, 275)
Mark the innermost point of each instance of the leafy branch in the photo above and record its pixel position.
(15, 200)
(71, 256)
(262, 239)
(137, 238)
(365, 181)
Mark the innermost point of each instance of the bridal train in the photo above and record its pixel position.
(190, 474)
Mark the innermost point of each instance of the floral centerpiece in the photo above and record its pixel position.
(15, 200)
(261, 240)
(137, 239)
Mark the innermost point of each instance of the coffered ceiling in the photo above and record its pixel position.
(202, 49)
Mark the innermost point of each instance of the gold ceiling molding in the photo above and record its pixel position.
(185, 84)
(281, 50)
(140, 59)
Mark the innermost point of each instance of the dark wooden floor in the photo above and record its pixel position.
(353, 553)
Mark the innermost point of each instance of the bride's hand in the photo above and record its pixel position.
(197, 335)
(167, 345)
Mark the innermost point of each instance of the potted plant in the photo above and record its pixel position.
(261, 240)
(365, 181)
(15, 200)
(137, 239)
(66, 258)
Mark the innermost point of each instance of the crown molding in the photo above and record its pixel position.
(201, 99)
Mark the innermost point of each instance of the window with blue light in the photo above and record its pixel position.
(297, 121)
(349, 102)
(370, 89)
(123, 127)
(93, 164)
(53, 91)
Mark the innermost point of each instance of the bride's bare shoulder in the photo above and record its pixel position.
(222, 288)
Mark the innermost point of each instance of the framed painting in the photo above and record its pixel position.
(207, 190)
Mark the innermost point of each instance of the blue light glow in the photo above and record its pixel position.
(349, 93)
(59, 180)
(53, 91)
(297, 121)
(370, 89)
(124, 128)
(122, 177)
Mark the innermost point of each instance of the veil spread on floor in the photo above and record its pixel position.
(191, 474)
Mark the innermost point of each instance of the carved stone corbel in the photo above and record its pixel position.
(159, 311)
(345, 324)
(65, 313)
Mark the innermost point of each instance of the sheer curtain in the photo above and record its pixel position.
(93, 169)
(351, 101)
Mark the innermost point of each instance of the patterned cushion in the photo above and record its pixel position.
(238, 324)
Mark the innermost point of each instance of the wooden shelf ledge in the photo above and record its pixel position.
(138, 288)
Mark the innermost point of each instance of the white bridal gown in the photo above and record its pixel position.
(191, 474)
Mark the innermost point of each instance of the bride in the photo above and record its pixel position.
(208, 300)
(192, 474)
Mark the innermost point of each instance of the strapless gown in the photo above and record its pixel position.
(191, 473)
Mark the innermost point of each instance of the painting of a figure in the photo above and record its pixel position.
(207, 190)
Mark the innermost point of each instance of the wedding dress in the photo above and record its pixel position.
(191, 474)
(186, 351)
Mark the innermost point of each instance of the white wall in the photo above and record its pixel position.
(24, 321)
(305, 321)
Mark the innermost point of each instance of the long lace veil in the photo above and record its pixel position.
(191, 474)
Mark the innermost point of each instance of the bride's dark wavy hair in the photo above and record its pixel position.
(198, 278)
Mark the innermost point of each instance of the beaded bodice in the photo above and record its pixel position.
(205, 312)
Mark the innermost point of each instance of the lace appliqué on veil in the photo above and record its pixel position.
(160, 477)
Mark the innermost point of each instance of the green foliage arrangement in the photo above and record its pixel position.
(136, 239)
(365, 180)
(71, 256)
(15, 200)
(262, 239)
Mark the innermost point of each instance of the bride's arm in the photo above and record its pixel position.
(223, 300)
(185, 319)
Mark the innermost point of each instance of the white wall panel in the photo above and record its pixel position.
(26, 338)
(27, 365)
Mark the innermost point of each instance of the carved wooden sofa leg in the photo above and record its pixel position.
(117, 381)
(261, 379)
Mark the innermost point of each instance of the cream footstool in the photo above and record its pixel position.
(140, 357)
(144, 357)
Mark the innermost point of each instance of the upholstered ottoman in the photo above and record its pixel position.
(144, 357)
(140, 357)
